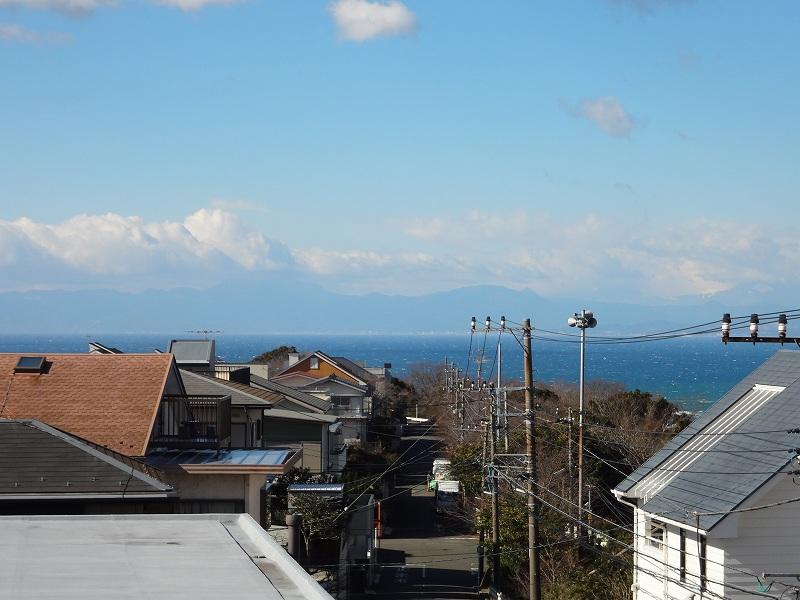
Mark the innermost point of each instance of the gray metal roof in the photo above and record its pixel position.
(192, 352)
(290, 392)
(241, 395)
(354, 369)
(180, 557)
(253, 457)
(39, 461)
(731, 470)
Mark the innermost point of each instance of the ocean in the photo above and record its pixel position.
(692, 372)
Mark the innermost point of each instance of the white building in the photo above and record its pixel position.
(191, 557)
(708, 517)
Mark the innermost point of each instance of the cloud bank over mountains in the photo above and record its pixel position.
(597, 256)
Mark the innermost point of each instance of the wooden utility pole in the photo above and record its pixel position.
(534, 591)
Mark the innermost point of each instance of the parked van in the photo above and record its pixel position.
(448, 496)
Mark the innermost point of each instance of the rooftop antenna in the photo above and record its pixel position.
(204, 332)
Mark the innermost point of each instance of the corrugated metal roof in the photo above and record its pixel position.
(245, 457)
(720, 479)
(326, 488)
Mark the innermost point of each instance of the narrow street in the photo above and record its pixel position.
(421, 558)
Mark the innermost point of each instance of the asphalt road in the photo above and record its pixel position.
(420, 556)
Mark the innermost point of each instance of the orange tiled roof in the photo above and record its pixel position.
(109, 399)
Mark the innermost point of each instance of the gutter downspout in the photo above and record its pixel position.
(635, 583)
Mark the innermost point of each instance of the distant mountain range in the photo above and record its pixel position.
(280, 306)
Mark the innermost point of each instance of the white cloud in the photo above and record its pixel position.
(119, 251)
(606, 112)
(611, 259)
(362, 20)
(16, 33)
(193, 5)
(465, 228)
(336, 262)
(70, 7)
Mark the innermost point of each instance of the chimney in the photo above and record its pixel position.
(294, 357)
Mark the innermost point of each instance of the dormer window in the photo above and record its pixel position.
(30, 364)
(314, 362)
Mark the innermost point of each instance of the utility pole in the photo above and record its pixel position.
(505, 419)
(495, 499)
(569, 450)
(534, 590)
(582, 321)
(497, 407)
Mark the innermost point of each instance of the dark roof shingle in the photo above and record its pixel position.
(39, 460)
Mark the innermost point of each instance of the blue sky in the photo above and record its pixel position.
(612, 148)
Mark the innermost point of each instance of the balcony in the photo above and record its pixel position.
(235, 373)
(196, 422)
(348, 412)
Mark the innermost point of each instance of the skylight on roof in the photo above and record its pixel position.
(30, 364)
(705, 439)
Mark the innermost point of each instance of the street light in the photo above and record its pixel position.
(583, 321)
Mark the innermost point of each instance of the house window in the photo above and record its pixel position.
(313, 362)
(341, 401)
(703, 562)
(657, 531)
(683, 556)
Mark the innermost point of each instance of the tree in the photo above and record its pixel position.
(279, 489)
(465, 466)
(319, 518)
(275, 358)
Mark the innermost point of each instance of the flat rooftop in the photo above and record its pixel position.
(190, 557)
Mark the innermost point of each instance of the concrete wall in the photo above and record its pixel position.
(246, 488)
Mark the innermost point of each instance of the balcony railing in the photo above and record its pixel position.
(235, 373)
(353, 413)
(193, 422)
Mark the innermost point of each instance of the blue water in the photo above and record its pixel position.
(690, 371)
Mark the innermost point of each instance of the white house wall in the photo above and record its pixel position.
(768, 540)
(657, 570)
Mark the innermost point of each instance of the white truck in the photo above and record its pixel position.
(448, 497)
(439, 472)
